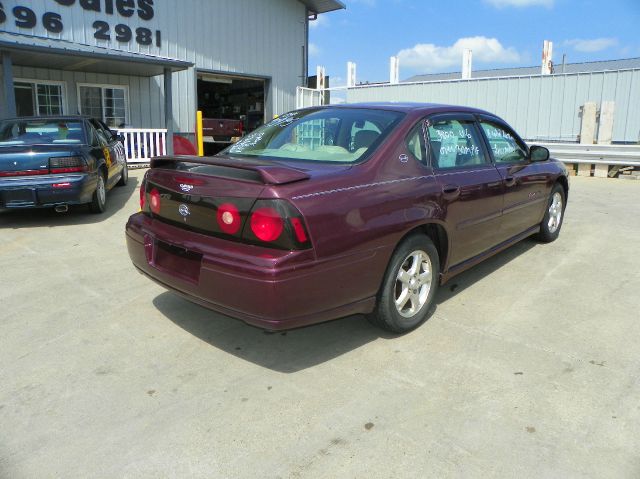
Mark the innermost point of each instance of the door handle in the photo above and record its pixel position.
(510, 181)
(450, 192)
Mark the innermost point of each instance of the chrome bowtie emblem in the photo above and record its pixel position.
(184, 210)
(185, 187)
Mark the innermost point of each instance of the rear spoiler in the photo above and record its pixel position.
(270, 173)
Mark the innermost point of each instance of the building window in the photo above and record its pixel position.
(39, 98)
(104, 102)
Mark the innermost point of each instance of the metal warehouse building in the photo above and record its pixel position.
(153, 63)
(540, 107)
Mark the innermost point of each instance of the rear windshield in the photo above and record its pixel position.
(343, 135)
(40, 132)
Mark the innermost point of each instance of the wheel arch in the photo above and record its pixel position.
(437, 233)
(564, 182)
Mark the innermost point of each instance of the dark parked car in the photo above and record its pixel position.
(59, 161)
(332, 211)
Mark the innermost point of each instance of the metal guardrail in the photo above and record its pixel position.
(623, 155)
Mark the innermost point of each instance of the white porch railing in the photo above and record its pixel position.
(306, 97)
(142, 144)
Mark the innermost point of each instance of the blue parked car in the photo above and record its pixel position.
(59, 161)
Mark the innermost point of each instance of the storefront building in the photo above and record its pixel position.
(154, 63)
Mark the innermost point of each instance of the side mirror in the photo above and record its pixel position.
(538, 153)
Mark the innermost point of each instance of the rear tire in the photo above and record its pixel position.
(552, 221)
(409, 286)
(99, 201)
(125, 175)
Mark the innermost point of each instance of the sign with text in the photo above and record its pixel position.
(109, 20)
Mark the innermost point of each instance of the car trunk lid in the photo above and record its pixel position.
(231, 197)
(30, 160)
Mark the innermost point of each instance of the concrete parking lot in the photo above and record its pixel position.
(529, 367)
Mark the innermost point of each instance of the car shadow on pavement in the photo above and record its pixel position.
(283, 351)
(117, 198)
(298, 349)
(459, 283)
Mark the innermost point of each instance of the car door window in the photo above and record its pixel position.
(454, 144)
(102, 139)
(106, 130)
(363, 134)
(94, 138)
(415, 143)
(504, 146)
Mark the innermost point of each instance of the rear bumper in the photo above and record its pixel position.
(40, 192)
(267, 288)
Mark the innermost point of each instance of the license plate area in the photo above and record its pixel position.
(19, 197)
(178, 261)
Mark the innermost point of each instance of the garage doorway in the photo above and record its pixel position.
(231, 106)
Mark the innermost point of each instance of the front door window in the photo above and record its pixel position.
(455, 144)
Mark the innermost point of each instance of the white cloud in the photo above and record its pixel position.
(593, 45)
(314, 50)
(321, 21)
(427, 57)
(521, 3)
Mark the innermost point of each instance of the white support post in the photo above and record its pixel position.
(394, 70)
(7, 85)
(547, 54)
(351, 74)
(605, 126)
(168, 110)
(466, 63)
(320, 78)
(605, 134)
(587, 133)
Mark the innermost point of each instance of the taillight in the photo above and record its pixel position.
(298, 229)
(229, 219)
(67, 164)
(278, 223)
(266, 224)
(154, 201)
(142, 196)
(23, 173)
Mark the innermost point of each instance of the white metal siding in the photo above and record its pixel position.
(145, 97)
(537, 106)
(245, 37)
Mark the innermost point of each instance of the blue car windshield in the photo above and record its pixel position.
(342, 135)
(41, 132)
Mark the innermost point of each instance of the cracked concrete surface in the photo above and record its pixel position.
(529, 366)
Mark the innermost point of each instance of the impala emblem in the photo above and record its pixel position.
(184, 210)
(185, 187)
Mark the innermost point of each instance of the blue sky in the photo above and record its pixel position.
(429, 36)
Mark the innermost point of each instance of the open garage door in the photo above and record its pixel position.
(231, 107)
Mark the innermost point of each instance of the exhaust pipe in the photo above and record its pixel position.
(62, 208)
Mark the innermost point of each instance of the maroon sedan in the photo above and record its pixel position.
(332, 211)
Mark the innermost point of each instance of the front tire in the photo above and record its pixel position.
(552, 221)
(99, 201)
(409, 286)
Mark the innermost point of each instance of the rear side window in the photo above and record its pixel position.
(415, 142)
(504, 146)
(455, 144)
(343, 135)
